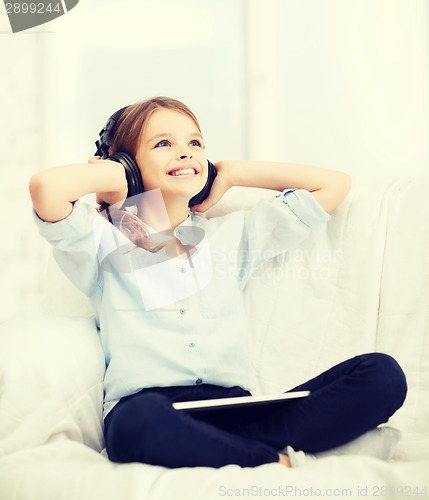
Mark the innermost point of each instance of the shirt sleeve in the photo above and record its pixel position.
(75, 241)
(275, 226)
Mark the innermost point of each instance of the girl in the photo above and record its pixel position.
(166, 286)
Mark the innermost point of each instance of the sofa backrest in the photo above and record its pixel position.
(358, 284)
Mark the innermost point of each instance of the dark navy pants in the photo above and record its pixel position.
(345, 402)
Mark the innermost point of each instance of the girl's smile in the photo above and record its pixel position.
(183, 170)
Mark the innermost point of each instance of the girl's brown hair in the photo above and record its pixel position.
(126, 139)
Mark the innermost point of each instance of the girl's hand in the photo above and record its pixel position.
(114, 196)
(221, 184)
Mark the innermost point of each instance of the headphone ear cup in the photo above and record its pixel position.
(132, 173)
(202, 195)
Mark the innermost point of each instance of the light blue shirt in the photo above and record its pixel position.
(168, 321)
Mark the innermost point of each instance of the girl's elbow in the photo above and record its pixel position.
(35, 187)
(345, 185)
(46, 203)
(331, 196)
(341, 190)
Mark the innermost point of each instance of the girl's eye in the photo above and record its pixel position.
(195, 142)
(162, 144)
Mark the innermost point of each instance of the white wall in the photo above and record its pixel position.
(22, 253)
(337, 83)
(342, 84)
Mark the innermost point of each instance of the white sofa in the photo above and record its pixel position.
(358, 284)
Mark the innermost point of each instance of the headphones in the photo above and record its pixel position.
(132, 171)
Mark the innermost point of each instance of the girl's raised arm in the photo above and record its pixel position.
(54, 190)
(329, 187)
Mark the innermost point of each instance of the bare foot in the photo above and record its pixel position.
(284, 460)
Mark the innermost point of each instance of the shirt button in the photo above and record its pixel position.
(191, 344)
(180, 231)
(182, 311)
(183, 270)
(198, 381)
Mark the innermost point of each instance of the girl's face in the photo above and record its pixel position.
(171, 154)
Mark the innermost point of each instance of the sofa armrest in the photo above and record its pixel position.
(51, 382)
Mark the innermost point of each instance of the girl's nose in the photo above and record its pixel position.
(184, 151)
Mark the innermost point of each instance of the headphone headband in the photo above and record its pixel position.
(107, 132)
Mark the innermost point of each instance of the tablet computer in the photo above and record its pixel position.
(240, 401)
